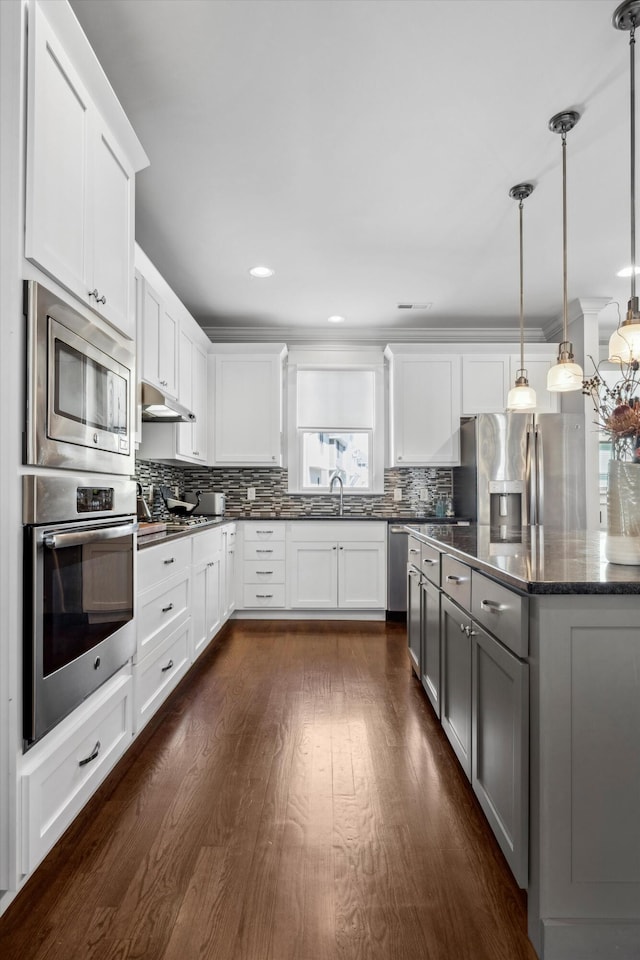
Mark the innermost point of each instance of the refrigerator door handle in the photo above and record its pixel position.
(539, 475)
(530, 477)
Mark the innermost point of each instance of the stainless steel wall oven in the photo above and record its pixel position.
(80, 378)
(80, 540)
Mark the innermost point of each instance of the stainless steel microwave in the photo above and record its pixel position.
(80, 379)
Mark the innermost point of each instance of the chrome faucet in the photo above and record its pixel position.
(332, 479)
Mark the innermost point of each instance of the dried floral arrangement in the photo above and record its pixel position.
(617, 409)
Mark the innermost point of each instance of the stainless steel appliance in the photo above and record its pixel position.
(80, 377)
(208, 504)
(79, 546)
(519, 469)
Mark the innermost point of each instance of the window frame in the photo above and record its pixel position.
(295, 453)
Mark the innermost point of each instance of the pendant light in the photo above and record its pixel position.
(521, 397)
(565, 375)
(624, 345)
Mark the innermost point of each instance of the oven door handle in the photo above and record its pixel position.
(79, 537)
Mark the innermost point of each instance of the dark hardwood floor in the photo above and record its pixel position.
(296, 800)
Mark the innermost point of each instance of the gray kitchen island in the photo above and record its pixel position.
(529, 651)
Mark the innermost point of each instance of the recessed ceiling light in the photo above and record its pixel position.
(627, 271)
(335, 319)
(261, 273)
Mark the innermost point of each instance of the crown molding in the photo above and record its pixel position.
(580, 307)
(378, 336)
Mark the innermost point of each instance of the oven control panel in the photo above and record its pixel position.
(94, 499)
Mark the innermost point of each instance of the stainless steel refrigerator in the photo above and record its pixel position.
(519, 469)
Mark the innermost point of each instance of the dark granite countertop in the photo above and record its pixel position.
(535, 560)
(176, 532)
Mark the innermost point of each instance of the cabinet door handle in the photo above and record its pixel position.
(463, 628)
(342, 548)
(492, 605)
(94, 753)
(265, 571)
(430, 561)
(413, 550)
(263, 551)
(264, 596)
(166, 609)
(264, 531)
(470, 633)
(167, 666)
(196, 453)
(211, 563)
(453, 579)
(170, 560)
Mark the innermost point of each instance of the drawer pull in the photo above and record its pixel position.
(170, 560)
(265, 572)
(470, 633)
(166, 609)
(264, 531)
(413, 550)
(211, 563)
(167, 666)
(453, 579)
(492, 605)
(94, 753)
(265, 596)
(263, 551)
(429, 560)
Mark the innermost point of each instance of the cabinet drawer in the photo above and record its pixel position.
(162, 562)
(503, 612)
(414, 551)
(64, 770)
(456, 580)
(262, 571)
(430, 563)
(159, 613)
(271, 595)
(335, 531)
(159, 673)
(206, 545)
(274, 550)
(263, 531)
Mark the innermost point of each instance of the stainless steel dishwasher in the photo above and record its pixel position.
(397, 538)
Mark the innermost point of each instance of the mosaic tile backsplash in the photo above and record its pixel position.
(272, 498)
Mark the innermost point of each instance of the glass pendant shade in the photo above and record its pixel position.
(521, 397)
(564, 377)
(624, 343)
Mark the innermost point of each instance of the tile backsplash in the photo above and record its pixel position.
(273, 499)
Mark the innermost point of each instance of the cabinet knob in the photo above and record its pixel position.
(93, 293)
(101, 299)
(462, 628)
(400, 457)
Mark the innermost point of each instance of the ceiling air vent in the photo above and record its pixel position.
(414, 306)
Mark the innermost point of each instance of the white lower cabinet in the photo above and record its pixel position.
(160, 672)
(207, 588)
(340, 565)
(229, 570)
(262, 575)
(59, 774)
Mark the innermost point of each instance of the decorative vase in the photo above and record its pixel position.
(622, 543)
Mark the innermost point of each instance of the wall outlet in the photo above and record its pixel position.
(251, 493)
(424, 493)
(397, 494)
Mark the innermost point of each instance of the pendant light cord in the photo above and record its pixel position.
(632, 43)
(520, 205)
(564, 235)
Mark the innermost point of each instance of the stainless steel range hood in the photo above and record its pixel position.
(158, 408)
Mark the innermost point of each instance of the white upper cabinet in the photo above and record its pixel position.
(247, 400)
(79, 220)
(192, 437)
(158, 343)
(424, 416)
(485, 383)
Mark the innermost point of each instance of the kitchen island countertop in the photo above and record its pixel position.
(535, 560)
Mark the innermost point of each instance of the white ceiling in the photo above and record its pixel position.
(365, 149)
